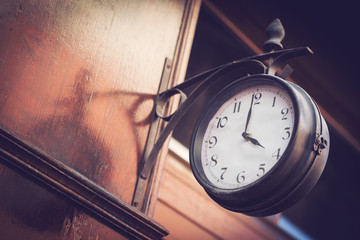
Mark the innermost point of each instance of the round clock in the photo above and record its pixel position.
(259, 146)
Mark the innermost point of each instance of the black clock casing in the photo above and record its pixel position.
(295, 173)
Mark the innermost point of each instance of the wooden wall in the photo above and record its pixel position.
(78, 81)
(188, 212)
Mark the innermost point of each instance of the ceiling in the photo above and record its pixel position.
(330, 76)
(329, 29)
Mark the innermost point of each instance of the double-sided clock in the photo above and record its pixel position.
(259, 146)
(261, 143)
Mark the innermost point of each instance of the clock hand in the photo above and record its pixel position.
(255, 142)
(251, 139)
(248, 117)
(246, 135)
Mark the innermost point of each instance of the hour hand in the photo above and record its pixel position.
(255, 142)
(252, 140)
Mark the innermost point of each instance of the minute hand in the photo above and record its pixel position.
(248, 117)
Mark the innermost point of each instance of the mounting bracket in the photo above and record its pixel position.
(192, 88)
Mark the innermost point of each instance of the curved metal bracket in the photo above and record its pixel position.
(285, 56)
(164, 98)
(216, 78)
(220, 78)
(191, 89)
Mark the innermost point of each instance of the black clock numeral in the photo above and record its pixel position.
(284, 112)
(287, 132)
(222, 122)
(214, 159)
(261, 170)
(277, 154)
(237, 107)
(257, 98)
(240, 178)
(273, 105)
(224, 170)
(212, 141)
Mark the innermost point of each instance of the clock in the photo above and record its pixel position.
(259, 146)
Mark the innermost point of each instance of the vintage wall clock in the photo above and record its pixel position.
(261, 143)
(255, 148)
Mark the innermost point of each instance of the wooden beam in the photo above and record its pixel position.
(68, 182)
(348, 136)
(181, 195)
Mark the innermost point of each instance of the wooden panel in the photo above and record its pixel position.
(177, 223)
(182, 55)
(78, 81)
(182, 198)
(83, 192)
(79, 78)
(43, 215)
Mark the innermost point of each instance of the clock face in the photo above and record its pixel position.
(246, 136)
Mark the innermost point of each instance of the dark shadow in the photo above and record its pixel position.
(68, 139)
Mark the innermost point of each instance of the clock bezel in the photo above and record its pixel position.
(286, 174)
(224, 95)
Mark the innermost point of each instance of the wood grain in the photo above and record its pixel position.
(78, 81)
(183, 202)
(79, 78)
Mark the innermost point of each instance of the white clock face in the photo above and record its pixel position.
(247, 136)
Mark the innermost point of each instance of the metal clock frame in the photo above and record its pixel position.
(296, 172)
(219, 77)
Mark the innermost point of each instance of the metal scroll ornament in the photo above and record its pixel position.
(261, 143)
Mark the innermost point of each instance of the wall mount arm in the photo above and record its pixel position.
(215, 78)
